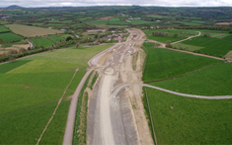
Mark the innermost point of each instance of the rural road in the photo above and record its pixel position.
(199, 34)
(119, 88)
(68, 136)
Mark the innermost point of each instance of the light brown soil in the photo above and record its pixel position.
(224, 23)
(15, 47)
(68, 98)
(103, 58)
(26, 87)
(105, 18)
(229, 56)
(219, 35)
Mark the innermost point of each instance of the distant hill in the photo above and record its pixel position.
(14, 7)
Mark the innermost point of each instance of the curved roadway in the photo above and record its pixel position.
(119, 88)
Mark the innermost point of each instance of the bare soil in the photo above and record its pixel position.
(105, 18)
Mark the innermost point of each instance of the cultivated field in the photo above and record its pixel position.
(31, 31)
(181, 34)
(39, 82)
(3, 29)
(10, 37)
(212, 46)
(163, 63)
(191, 121)
(214, 80)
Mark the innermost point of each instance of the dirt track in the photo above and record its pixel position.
(119, 88)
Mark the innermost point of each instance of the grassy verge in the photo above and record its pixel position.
(80, 126)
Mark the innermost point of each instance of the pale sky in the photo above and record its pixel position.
(169, 3)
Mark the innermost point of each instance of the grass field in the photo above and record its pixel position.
(164, 63)
(37, 41)
(214, 80)
(186, 47)
(228, 37)
(55, 38)
(192, 121)
(212, 46)
(39, 81)
(31, 31)
(3, 29)
(181, 34)
(139, 22)
(10, 37)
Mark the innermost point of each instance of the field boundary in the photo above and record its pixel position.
(152, 125)
(58, 104)
(186, 74)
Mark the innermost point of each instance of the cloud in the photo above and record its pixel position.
(169, 3)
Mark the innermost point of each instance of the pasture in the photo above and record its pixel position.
(212, 46)
(191, 121)
(3, 29)
(40, 41)
(163, 63)
(140, 22)
(31, 31)
(214, 80)
(181, 34)
(10, 37)
(39, 82)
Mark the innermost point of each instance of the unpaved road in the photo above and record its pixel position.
(111, 119)
(119, 88)
(199, 34)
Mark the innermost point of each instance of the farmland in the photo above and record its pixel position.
(39, 82)
(181, 34)
(3, 29)
(191, 121)
(31, 31)
(212, 46)
(10, 37)
(42, 42)
(214, 80)
(164, 63)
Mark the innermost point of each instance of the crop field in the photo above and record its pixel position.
(10, 37)
(39, 81)
(186, 47)
(191, 121)
(37, 41)
(55, 38)
(139, 22)
(31, 31)
(214, 80)
(164, 63)
(3, 29)
(212, 46)
(181, 34)
(228, 37)
(94, 22)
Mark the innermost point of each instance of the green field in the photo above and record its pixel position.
(10, 37)
(39, 81)
(163, 63)
(140, 22)
(212, 46)
(192, 121)
(228, 37)
(181, 34)
(186, 47)
(39, 41)
(214, 80)
(31, 31)
(3, 29)
(55, 38)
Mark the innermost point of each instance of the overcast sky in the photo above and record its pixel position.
(48, 3)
